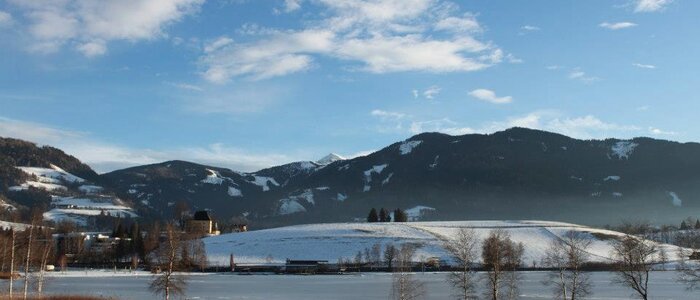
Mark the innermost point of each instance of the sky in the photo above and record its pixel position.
(252, 84)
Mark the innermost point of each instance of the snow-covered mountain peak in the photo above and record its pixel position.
(330, 158)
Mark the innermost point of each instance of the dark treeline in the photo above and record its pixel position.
(386, 216)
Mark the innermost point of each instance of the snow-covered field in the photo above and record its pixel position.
(333, 241)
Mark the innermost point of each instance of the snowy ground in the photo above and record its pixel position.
(370, 286)
(333, 241)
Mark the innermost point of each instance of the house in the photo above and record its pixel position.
(201, 224)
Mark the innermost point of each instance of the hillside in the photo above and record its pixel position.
(46, 178)
(516, 173)
(343, 240)
(513, 174)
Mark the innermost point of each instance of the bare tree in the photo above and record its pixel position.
(166, 257)
(390, 255)
(463, 251)
(567, 257)
(375, 254)
(689, 274)
(635, 258)
(404, 285)
(30, 244)
(45, 255)
(13, 237)
(501, 258)
(514, 259)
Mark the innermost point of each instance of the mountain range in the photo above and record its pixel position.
(513, 174)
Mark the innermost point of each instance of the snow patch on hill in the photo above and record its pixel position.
(341, 197)
(76, 209)
(264, 182)
(611, 177)
(329, 159)
(90, 189)
(623, 149)
(213, 177)
(290, 206)
(234, 192)
(49, 179)
(333, 241)
(407, 146)
(368, 175)
(52, 175)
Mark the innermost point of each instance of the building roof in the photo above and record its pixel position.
(202, 215)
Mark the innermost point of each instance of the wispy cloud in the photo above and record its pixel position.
(372, 36)
(650, 5)
(644, 66)
(490, 96)
(186, 86)
(5, 19)
(90, 25)
(578, 74)
(584, 127)
(104, 157)
(617, 26)
(431, 92)
(657, 131)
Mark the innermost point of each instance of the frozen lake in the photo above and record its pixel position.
(297, 287)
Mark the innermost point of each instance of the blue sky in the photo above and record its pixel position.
(250, 84)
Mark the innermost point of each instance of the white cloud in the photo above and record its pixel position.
(643, 108)
(513, 59)
(444, 125)
(617, 26)
(186, 86)
(387, 115)
(468, 23)
(281, 54)
(372, 36)
(237, 100)
(415, 93)
(530, 28)
(490, 96)
(5, 19)
(644, 66)
(105, 157)
(577, 74)
(292, 5)
(657, 131)
(583, 127)
(650, 5)
(431, 92)
(553, 67)
(92, 24)
(93, 48)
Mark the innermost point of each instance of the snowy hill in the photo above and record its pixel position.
(343, 240)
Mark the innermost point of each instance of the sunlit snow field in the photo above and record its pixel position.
(355, 286)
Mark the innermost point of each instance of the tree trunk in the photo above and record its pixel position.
(26, 264)
(12, 261)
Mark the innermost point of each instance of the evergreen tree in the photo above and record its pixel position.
(697, 224)
(383, 215)
(400, 215)
(372, 218)
(684, 225)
